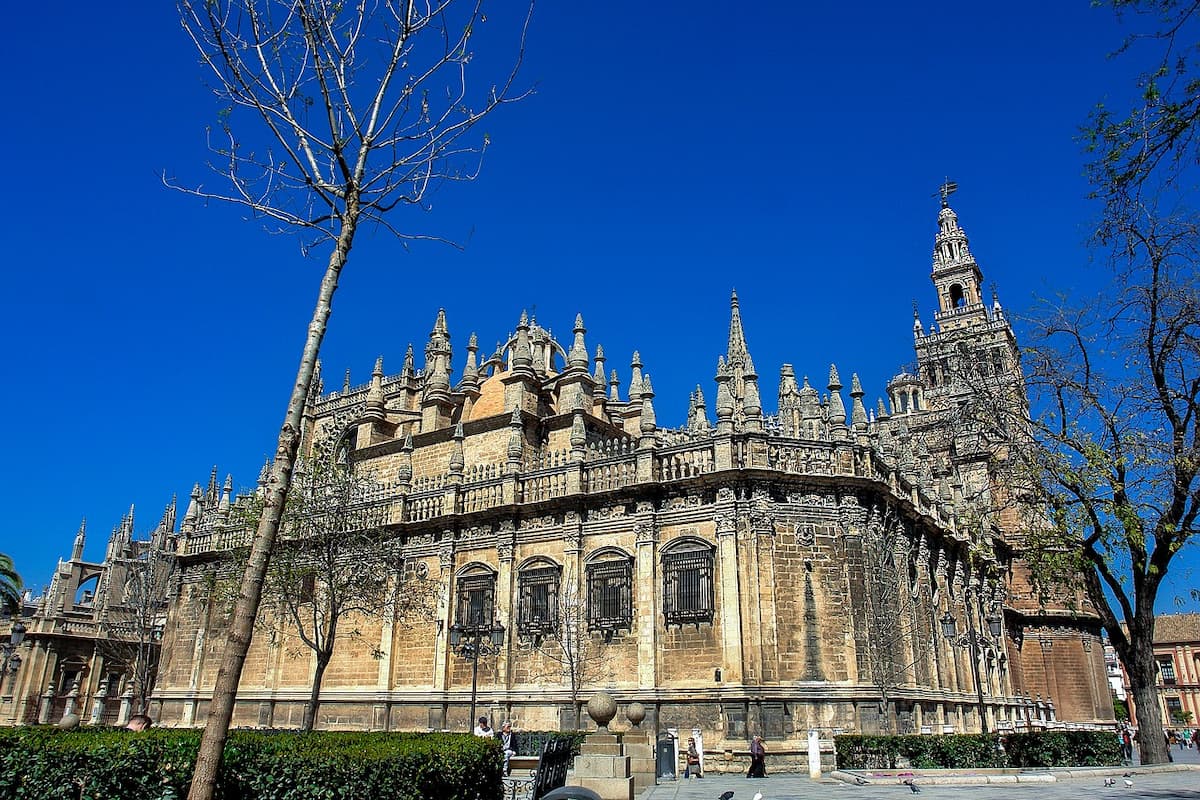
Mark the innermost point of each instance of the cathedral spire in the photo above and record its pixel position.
(577, 358)
(635, 381)
(736, 350)
(598, 374)
(409, 370)
(80, 537)
(470, 378)
(375, 411)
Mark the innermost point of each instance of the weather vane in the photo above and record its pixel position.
(947, 188)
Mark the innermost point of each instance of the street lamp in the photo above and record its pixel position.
(976, 642)
(474, 642)
(10, 659)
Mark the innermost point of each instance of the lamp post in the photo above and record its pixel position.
(976, 642)
(473, 642)
(10, 659)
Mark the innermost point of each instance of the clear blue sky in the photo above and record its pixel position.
(672, 151)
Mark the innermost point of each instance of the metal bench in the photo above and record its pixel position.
(550, 774)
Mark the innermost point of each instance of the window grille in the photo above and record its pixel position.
(538, 608)
(610, 596)
(476, 601)
(688, 587)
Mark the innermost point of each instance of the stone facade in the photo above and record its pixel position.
(745, 573)
(92, 640)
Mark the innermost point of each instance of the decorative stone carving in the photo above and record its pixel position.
(504, 551)
(635, 712)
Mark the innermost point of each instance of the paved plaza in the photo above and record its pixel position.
(1149, 783)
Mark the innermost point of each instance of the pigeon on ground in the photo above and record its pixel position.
(860, 780)
(915, 789)
(758, 796)
(1110, 782)
(1127, 775)
(1128, 783)
(726, 796)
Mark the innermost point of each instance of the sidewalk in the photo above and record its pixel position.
(1179, 780)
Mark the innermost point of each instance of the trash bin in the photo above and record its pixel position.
(571, 793)
(664, 762)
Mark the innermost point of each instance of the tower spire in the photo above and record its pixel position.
(736, 349)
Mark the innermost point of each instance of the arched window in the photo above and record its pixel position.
(610, 591)
(476, 597)
(688, 582)
(538, 592)
(957, 298)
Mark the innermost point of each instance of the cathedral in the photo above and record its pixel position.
(830, 566)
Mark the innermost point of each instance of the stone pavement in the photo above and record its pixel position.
(1180, 781)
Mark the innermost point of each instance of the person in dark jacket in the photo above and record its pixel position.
(758, 759)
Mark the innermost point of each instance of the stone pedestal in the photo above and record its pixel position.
(639, 748)
(602, 767)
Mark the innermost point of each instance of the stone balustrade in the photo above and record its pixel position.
(605, 467)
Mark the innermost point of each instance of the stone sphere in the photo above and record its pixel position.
(602, 708)
(635, 713)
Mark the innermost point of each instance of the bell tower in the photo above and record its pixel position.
(969, 341)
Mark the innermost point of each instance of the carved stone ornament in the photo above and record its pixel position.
(507, 526)
(725, 495)
(645, 532)
(446, 555)
(805, 533)
(645, 507)
(504, 551)
(635, 712)
(726, 523)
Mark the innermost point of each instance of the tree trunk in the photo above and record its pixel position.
(1143, 682)
(314, 697)
(216, 729)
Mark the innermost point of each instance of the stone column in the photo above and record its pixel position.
(505, 590)
(646, 579)
(126, 708)
(441, 658)
(762, 542)
(46, 705)
(727, 572)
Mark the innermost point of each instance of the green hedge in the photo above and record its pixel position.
(975, 751)
(1064, 748)
(157, 765)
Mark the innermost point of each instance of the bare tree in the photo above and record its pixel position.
(355, 109)
(132, 625)
(572, 652)
(1118, 455)
(893, 622)
(335, 567)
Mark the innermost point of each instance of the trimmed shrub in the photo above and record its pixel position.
(975, 751)
(1064, 748)
(157, 765)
